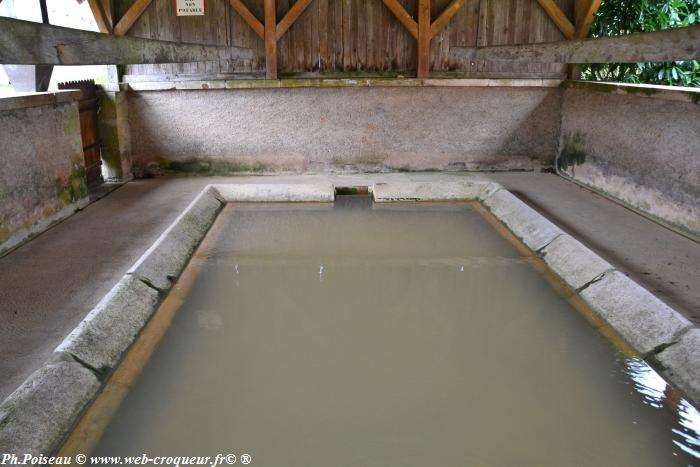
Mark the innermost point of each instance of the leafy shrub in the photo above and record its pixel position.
(619, 17)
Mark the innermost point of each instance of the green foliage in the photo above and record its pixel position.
(618, 17)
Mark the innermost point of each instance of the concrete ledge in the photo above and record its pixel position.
(471, 189)
(38, 99)
(527, 224)
(669, 93)
(165, 259)
(109, 329)
(38, 415)
(272, 192)
(643, 320)
(573, 262)
(679, 364)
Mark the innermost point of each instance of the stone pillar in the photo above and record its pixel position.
(115, 139)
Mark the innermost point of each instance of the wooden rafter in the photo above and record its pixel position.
(445, 16)
(559, 18)
(103, 24)
(248, 17)
(132, 14)
(584, 21)
(660, 46)
(30, 43)
(292, 15)
(402, 15)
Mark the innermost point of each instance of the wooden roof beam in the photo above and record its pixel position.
(30, 43)
(559, 18)
(132, 14)
(659, 46)
(248, 17)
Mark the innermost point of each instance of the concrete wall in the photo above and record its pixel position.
(322, 129)
(42, 170)
(640, 145)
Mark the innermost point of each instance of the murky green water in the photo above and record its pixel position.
(390, 336)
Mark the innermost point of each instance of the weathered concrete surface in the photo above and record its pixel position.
(682, 364)
(109, 329)
(660, 260)
(470, 188)
(343, 129)
(42, 173)
(573, 262)
(162, 263)
(526, 223)
(115, 137)
(639, 317)
(37, 416)
(642, 151)
(278, 192)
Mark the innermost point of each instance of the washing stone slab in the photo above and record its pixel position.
(167, 257)
(643, 320)
(36, 417)
(100, 340)
(276, 192)
(680, 363)
(471, 189)
(573, 262)
(528, 225)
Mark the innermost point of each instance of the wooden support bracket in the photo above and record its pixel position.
(559, 18)
(423, 30)
(132, 14)
(103, 23)
(584, 20)
(249, 18)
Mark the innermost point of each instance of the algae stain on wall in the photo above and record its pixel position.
(573, 151)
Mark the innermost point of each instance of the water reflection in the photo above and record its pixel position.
(657, 393)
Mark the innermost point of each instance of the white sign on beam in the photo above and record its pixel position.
(190, 7)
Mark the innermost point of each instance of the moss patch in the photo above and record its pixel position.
(73, 189)
(573, 152)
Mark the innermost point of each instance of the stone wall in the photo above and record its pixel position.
(640, 145)
(42, 170)
(345, 129)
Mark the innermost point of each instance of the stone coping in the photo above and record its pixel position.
(669, 93)
(36, 418)
(37, 99)
(330, 83)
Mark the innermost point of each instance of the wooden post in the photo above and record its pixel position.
(423, 38)
(270, 39)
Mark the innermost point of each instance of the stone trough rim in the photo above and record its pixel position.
(530, 227)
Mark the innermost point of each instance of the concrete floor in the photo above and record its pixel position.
(49, 284)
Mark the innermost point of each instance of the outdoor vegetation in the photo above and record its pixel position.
(618, 17)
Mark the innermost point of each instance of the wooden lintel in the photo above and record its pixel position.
(559, 18)
(660, 46)
(248, 17)
(100, 16)
(423, 38)
(292, 15)
(585, 20)
(30, 43)
(402, 15)
(132, 14)
(445, 16)
(270, 39)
